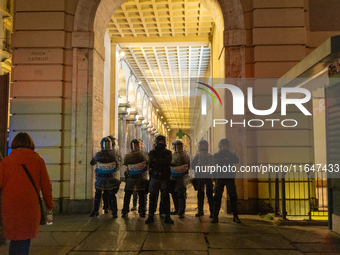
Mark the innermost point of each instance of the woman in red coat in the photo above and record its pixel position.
(20, 203)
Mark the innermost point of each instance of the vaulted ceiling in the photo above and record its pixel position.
(166, 43)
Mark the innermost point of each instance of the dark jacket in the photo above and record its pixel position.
(226, 158)
(159, 163)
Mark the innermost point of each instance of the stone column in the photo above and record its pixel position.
(144, 135)
(130, 129)
(152, 136)
(148, 138)
(138, 128)
(122, 111)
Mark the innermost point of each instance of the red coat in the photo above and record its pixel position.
(20, 204)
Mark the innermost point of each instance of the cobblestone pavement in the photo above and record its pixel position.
(80, 234)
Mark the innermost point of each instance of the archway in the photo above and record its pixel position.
(90, 23)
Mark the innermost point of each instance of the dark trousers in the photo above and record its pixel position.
(155, 186)
(174, 194)
(112, 200)
(134, 199)
(231, 190)
(20, 247)
(209, 189)
(127, 199)
(105, 199)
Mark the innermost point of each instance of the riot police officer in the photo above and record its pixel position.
(116, 153)
(159, 162)
(225, 158)
(180, 165)
(136, 177)
(107, 176)
(203, 159)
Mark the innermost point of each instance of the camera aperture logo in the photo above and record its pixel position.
(239, 105)
(204, 97)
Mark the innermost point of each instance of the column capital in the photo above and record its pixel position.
(122, 108)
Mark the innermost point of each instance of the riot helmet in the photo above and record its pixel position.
(224, 144)
(160, 139)
(160, 142)
(106, 144)
(177, 145)
(113, 140)
(135, 145)
(203, 145)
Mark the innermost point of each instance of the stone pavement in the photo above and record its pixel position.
(81, 235)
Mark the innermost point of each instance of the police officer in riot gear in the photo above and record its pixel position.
(201, 159)
(159, 162)
(116, 153)
(135, 194)
(136, 177)
(107, 176)
(180, 165)
(225, 158)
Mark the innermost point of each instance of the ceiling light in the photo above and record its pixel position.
(156, 110)
(150, 98)
(164, 123)
(122, 54)
(139, 82)
(167, 126)
(162, 117)
(168, 129)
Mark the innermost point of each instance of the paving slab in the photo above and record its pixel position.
(189, 224)
(174, 253)
(39, 250)
(317, 247)
(244, 228)
(102, 253)
(306, 234)
(175, 241)
(73, 226)
(253, 252)
(69, 238)
(248, 241)
(113, 241)
(45, 239)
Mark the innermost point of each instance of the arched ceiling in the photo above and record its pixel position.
(166, 43)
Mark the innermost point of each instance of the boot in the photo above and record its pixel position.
(200, 203)
(199, 214)
(174, 212)
(215, 219)
(236, 219)
(113, 203)
(94, 213)
(105, 196)
(149, 219)
(168, 219)
(97, 198)
(181, 205)
(124, 214)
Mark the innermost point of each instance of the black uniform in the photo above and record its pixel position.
(225, 158)
(107, 178)
(159, 162)
(201, 159)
